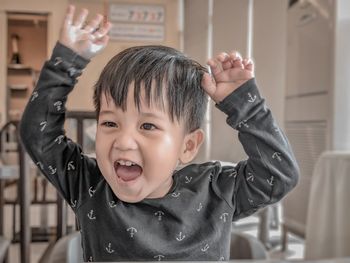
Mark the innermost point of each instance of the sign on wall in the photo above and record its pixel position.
(134, 22)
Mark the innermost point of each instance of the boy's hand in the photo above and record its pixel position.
(229, 71)
(85, 39)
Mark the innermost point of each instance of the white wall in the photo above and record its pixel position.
(341, 109)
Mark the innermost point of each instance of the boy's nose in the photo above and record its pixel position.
(125, 141)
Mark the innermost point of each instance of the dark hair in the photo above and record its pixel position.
(177, 78)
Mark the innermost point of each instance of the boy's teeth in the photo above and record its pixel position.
(126, 163)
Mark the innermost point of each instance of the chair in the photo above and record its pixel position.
(328, 224)
(4, 247)
(295, 209)
(67, 249)
(245, 246)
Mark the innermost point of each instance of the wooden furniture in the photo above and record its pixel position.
(27, 36)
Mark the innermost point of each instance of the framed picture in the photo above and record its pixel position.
(135, 22)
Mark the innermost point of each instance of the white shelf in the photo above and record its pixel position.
(18, 66)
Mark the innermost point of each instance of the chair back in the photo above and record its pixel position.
(245, 246)
(4, 247)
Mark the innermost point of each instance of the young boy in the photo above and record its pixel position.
(130, 202)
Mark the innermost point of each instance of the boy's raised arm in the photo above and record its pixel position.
(42, 125)
(270, 171)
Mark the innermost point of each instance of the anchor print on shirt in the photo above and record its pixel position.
(35, 94)
(52, 170)
(132, 231)
(250, 177)
(72, 71)
(277, 156)
(59, 139)
(159, 257)
(251, 98)
(205, 248)
(188, 179)
(243, 123)
(200, 206)
(180, 236)
(58, 60)
(91, 215)
(234, 173)
(270, 181)
(109, 248)
(223, 217)
(58, 105)
(43, 125)
(71, 166)
(112, 204)
(159, 214)
(91, 191)
(251, 202)
(222, 259)
(176, 194)
(73, 204)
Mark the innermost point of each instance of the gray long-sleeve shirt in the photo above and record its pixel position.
(193, 221)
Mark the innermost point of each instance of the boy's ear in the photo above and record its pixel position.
(192, 143)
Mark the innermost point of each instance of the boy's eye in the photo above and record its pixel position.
(148, 126)
(109, 124)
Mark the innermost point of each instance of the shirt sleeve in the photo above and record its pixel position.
(42, 132)
(271, 170)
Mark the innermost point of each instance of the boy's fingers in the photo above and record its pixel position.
(225, 60)
(103, 41)
(100, 43)
(236, 59)
(222, 57)
(208, 84)
(103, 30)
(227, 64)
(240, 75)
(215, 67)
(235, 75)
(68, 20)
(238, 64)
(81, 18)
(248, 64)
(235, 55)
(94, 23)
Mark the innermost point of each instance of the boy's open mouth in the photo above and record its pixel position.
(127, 170)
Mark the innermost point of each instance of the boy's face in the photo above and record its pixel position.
(137, 151)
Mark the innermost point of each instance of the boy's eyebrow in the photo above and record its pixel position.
(104, 112)
(151, 115)
(142, 113)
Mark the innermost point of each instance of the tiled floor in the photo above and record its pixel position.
(248, 225)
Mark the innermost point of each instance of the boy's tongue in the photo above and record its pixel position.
(128, 173)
